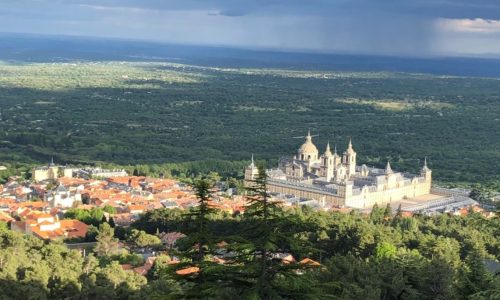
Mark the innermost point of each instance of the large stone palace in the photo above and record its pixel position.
(336, 180)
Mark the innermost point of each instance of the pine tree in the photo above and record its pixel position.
(399, 212)
(199, 244)
(200, 235)
(106, 244)
(388, 211)
(270, 232)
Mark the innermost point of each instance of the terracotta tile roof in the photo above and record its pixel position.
(36, 204)
(310, 262)
(137, 207)
(69, 181)
(218, 260)
(53, 234)
(7, 201)
(37, 215)
(124, 217)
(45, 223)
(127, 267)
(187, 271)
(142, 270)
(5, 217)
(74, 228)
(407, 214)
(24, 213)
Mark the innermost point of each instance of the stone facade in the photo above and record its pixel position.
(336, 180)
(49, 172)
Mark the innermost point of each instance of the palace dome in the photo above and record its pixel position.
(308, 147)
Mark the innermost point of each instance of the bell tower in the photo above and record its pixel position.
(251, 171)
(327, 163)
(350, 160)
(426, 172)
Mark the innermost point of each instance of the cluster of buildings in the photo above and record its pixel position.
(53, 172)
(327, 181)
(38, 207)
(332, 180)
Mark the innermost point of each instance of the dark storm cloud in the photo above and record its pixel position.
(409, 27)
(489, 9)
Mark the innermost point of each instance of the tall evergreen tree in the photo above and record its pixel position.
(388, 211)
(199, 235)
(107, 244)
(271, 234)
(199, 243)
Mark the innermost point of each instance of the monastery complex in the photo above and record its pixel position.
(336, 180)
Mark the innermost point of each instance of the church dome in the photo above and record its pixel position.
(308, 147)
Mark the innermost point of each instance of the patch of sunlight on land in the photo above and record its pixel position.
(45, 102)
(325, 75)
(80, 75)
(316, 74)
(393, 105)
(188, 103)
(301, 73)
(269, 109)
(254, 108)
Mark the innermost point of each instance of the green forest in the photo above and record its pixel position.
(152, 113)
(375, 256)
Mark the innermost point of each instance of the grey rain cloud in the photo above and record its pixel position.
(405, 27)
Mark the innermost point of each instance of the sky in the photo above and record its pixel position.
(382, 27)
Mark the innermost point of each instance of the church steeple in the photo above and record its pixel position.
(251, 171)
(349, 149)
(349, 159)
(425, 168)
(388, 169)
(328, 152)
(426, 172)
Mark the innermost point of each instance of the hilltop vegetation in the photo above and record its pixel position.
(362, 257)
(153, 113)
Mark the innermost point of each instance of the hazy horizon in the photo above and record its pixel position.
(409, 29)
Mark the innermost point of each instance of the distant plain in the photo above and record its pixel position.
(140, 106)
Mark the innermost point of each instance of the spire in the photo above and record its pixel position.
(335, 149)
(425, 168)
(308, 137)
(388, 169)
(51, 161)
(252, 164)
(328, 152)
(349, 150)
